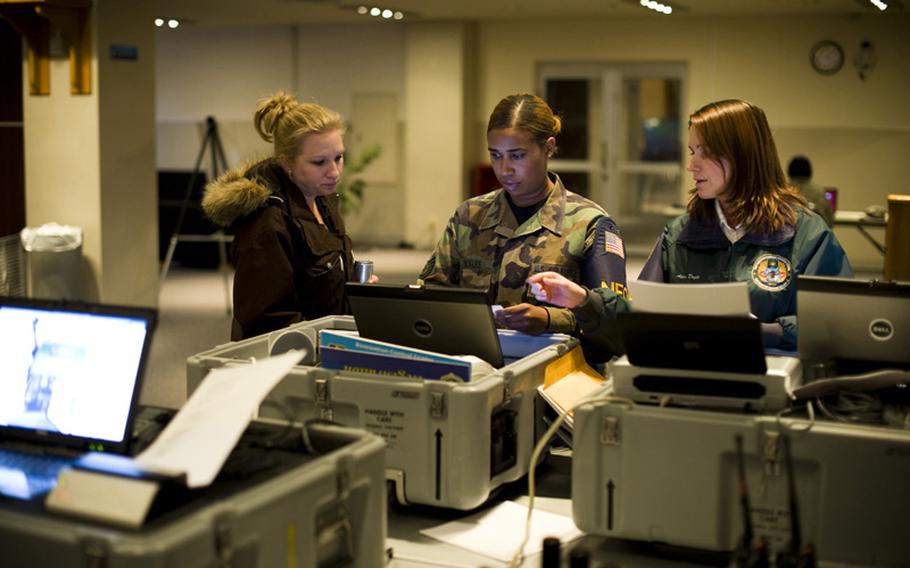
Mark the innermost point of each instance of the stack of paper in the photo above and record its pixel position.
(200, 437)
(715, 299)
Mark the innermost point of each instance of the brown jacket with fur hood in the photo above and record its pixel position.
(288, 266)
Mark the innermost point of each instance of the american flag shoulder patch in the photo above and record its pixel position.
(613, 244)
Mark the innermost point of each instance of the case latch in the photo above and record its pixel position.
(343, 477)
(437, 405)
(323, 400)
(334, 532)
(224, 538)
(771, 452)
(609, 431)
(96, 552)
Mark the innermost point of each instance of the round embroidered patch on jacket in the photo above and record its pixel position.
(771, 272)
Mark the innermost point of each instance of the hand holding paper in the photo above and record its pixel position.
(556, 289)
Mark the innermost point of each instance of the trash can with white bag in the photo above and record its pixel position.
(54, 258)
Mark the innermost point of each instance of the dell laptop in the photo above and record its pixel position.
(455, 321)
(858, 324)
(70, 384)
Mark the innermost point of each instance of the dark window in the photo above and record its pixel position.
(569, 100)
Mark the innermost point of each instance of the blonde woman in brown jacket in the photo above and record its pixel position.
(291, 253)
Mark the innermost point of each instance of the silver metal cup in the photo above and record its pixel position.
(363, 269)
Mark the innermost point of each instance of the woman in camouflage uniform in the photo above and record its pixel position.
(531, 224)
(744, 223)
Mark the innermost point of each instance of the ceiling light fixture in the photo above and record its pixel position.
(657, 6)
(379, 11)
(879, 4)
(172, 23)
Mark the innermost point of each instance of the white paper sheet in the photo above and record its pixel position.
(497, 533)
(723, 299)
(200, 437)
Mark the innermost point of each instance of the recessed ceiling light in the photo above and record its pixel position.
(375, 11)
(656, 6)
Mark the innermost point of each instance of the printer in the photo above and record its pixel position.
(697, 360)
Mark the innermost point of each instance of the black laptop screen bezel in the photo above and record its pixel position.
(731, 344)
(51, 439)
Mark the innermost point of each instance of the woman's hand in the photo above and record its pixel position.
(373, 279)
(556, 289)
(526, 318)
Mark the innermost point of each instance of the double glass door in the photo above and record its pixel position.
(622, 140)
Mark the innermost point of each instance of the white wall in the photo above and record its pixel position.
(336, 61)
(219, 72)
(353, 77)
(89, 158)
(126, 97)
(435, 128)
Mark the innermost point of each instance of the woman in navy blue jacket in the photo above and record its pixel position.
(744, 222)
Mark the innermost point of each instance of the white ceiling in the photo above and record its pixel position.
(257, 12)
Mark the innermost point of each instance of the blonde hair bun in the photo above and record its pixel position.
(269, 112)
(284, 121)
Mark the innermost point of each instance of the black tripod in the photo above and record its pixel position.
(213, 141)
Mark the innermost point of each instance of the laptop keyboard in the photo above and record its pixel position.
(40, 470)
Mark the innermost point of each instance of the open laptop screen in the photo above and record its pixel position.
(853, 321)
(455, 321)
(71, 373)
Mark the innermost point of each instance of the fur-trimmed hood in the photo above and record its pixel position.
(239, 192)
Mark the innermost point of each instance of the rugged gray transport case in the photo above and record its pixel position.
(449, 444)
(267, 508)
(670, 475)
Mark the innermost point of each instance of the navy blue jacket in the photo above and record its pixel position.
(692, 252)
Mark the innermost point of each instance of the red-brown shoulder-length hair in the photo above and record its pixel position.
(759, 196)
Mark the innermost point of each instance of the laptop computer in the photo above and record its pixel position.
(455, 321)
(70, 383)
(856, 323)
(693, 342)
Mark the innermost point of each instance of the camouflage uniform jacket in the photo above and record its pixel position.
(483, 247)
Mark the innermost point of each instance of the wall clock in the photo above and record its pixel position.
(826, 57)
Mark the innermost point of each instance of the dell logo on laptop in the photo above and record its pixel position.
(881, 329)
(423, 328)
